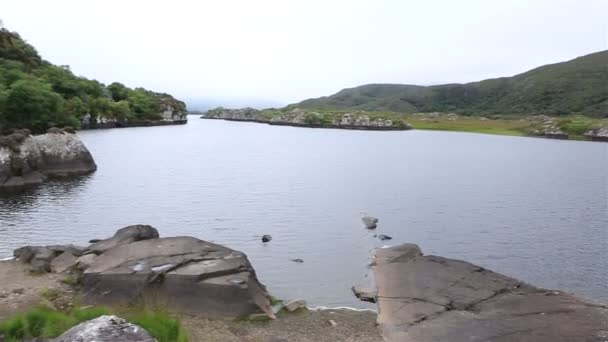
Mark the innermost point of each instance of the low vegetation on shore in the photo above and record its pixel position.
(44, 322)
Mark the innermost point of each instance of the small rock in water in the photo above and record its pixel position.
(384, 237)
(266, 238)
(94, 240)
(299, 261)
(370, 222)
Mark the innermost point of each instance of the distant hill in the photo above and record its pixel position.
(576, 86)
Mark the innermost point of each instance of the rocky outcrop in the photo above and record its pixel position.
(546, 127)
(307, 118)
(430, 298)
(27, 159)
(184, 274)
(106, 329)
(598, 134)
(44, 258)
(136, 267)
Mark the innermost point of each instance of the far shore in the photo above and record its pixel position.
(568, 127)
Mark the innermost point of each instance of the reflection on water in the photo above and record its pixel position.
(532, 208)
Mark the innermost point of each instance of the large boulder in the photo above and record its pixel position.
(106, 329)
(430, 298)
(28, 160)
(183, 274)
(124, 236)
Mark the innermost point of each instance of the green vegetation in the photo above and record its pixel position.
(576, 86)
(36, 94)
(47, 323)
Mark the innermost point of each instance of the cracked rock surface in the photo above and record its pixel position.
(183, 274)
(431, 298)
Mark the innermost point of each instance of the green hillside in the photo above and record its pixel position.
(36, 94)
(576, 86)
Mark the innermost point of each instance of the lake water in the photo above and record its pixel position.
(531, 208)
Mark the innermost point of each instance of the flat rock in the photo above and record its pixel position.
(183, 274)
(430, 298)
(106, 329)
(124, 236)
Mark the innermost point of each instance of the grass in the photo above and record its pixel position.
(513, 127)
(48, 323)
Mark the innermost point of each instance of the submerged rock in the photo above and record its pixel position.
(183, 274)
(384, 237)
(430, 298)
(30, 160)
(370, 222)
(124, 236)
(106, 329)
(266, 238)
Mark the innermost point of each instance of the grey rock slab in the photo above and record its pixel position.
(430, 298)
(183, 274)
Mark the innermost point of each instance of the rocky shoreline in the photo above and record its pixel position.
(311, 119)
(430, 298)
(420, 298)
(127, 124)
(168, 115)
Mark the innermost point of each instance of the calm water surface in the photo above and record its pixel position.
(531, 208)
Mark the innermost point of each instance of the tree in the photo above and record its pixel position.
(33, 104)
(118, 91)
(121, 110)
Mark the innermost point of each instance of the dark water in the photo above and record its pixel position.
(531, 208)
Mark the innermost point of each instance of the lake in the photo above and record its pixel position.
(535, 209)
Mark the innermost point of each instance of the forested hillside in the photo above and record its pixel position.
(36, 94)
(577, 86)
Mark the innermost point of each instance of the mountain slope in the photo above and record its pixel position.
(576, 86)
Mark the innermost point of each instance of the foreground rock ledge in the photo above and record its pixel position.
(136, 267)
(430, 298)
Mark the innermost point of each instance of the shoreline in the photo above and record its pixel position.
(304, 125)
(488, 131)
(109, 125)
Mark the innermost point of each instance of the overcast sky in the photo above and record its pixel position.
(287, 51)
